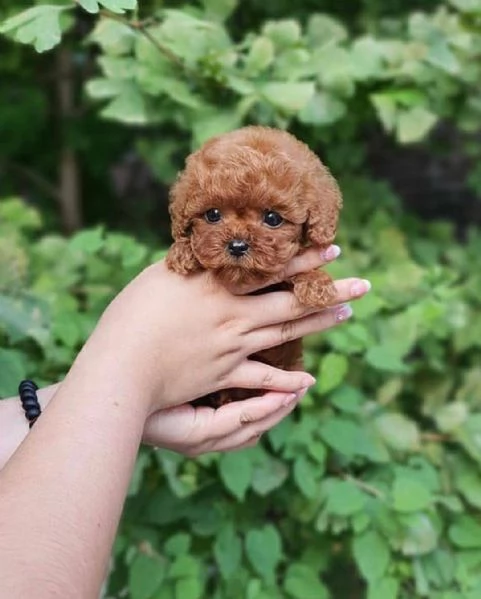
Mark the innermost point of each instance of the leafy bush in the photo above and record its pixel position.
(371, 489)
(376, 474)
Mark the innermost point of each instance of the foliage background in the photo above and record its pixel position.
(372, 488)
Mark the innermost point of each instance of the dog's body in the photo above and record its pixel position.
(246, 203)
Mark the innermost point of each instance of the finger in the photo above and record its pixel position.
(186, 427)
(309, 260)
(278, 334)
(236, 415)
(282, 306)
(256, 375)
(252, 432)
(172, 426)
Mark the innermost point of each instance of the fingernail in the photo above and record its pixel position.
(289, 399)
(343, 312)
(308, 381)
(332, 252)
(300, 394)
(360, 287)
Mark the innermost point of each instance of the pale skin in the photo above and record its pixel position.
(63, 484)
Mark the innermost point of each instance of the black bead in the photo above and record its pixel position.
(30, 402)
(28, 396)
(27, 386)
(32, 412)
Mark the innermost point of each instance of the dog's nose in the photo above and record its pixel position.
(237, 247)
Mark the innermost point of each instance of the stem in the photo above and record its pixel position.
(69, 175)
(364, 486)
(435, 437)
(37, 179)
(141, 27)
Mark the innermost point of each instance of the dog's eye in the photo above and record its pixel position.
(213, 215)
(272, 219)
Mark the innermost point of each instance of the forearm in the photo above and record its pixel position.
(14, 425)
(76, 462)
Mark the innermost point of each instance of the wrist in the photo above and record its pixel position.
(109, 376)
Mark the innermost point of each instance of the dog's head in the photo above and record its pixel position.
(247, 202)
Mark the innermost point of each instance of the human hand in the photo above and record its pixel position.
(168, 339)
(196, 430)
(193, 431)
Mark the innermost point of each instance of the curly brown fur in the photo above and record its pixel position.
(246, 174)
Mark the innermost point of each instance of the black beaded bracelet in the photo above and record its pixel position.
(28, 396)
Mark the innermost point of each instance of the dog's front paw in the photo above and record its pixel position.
(315, 289)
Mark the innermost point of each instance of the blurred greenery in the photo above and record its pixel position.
(371, 489)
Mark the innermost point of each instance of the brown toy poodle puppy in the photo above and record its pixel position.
(245, 204)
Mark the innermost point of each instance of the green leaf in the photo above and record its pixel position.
(307, 476)
(264, 551)
(347, 399)
(25, 317)
(466, 5)
(323, 30)
(386, 109)
(409, 495)
(39, 26)
(12, 371)
(303, 582)
(228, 551)
(146, 574)
(283, 33)
(188, 588)
(384, 358)
(115, 38)
(332, 371)
(386, 588)
(398, 432)
(468, 482)
(116, 6)
(128, 106)
(322, 109)
(367, 57)
(466, 532)
(288, 97)
(440, 55)
(20, 214)
(344, 498)
(413, 125)
(88, 241)
(102, 88)
(341, 434)
(372, 555)
(420, 536)
(211, 123)
(178, 544)
(451, 416)
(236, 471)
(260, 56)
(268, 474)
(185, 566)
(219, 9)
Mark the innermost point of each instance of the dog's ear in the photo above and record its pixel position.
(180, 257)
(324, 203)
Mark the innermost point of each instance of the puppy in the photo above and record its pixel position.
(246, 203)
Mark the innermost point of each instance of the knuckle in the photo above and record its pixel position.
(287, 331)
(268, 378)
(246, 418)
(297, 309)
